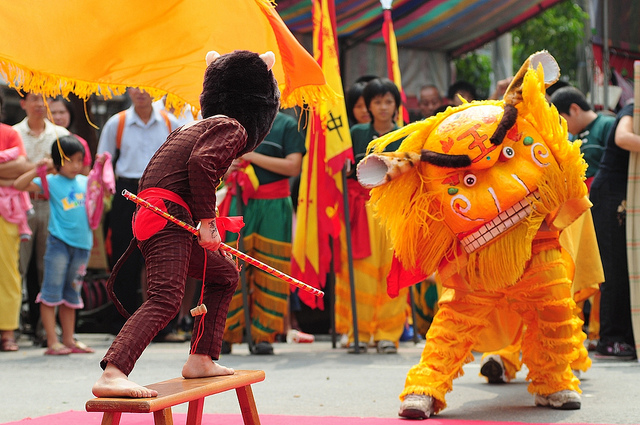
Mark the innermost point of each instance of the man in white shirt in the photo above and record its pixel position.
(132, 138)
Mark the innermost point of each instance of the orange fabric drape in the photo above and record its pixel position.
(97, 47)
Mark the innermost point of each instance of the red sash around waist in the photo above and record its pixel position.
(147, 223)
(275, 190)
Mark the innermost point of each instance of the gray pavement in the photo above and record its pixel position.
(311, 379)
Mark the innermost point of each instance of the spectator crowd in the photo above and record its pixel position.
(46, 254)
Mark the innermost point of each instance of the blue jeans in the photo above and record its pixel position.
(64, 270)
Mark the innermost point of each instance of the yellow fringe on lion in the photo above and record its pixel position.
(479, 194)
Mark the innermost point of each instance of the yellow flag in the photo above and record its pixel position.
(320, 206)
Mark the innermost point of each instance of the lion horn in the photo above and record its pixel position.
(513, 95)
(377, 169)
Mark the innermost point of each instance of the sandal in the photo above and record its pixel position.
(386, 347)
(58, 349)
(9, 344)
(80, 348)
(297, 336)
(262, 348)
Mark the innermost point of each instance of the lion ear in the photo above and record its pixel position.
(212, 56)
(269, 58)
(513, 95)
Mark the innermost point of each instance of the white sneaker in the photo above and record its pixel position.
(563, 400)
(344, 341)
(493, 369)
(416, 406)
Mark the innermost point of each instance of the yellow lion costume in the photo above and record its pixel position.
(479, 194)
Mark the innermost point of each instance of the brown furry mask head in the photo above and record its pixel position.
(241, 85)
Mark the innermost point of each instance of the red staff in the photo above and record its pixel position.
(241, 255)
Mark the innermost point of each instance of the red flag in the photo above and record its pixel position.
(393, 68)
(320, 210)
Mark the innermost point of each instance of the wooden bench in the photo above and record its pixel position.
(179, 390)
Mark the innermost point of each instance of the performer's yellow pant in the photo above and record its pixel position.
(512, 362)
(465, 321)
(580, 249)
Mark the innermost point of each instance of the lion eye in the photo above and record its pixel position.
(469, 180)
(507, 153)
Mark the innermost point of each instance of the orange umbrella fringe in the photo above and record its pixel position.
(50, 85)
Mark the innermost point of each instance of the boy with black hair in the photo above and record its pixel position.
(585, 124)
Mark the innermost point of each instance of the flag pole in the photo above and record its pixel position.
(393, 70)
(243, 278)
(352, 285)
(393, 67)
(331, 283)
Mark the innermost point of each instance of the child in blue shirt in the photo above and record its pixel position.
(69, 242)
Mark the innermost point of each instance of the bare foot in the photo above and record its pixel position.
(201, 366)
(114, 383)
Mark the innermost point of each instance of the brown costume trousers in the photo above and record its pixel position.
(170, 255)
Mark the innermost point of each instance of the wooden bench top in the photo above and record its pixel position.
(176, 391)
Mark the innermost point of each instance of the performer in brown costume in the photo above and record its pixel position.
(239, 102)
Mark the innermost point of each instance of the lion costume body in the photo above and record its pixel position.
(479, 194)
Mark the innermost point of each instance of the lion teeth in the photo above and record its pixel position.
(500, 224)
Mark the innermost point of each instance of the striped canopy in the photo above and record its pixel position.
(452, 26)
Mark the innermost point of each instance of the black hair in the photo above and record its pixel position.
(69, 146)
(555, 86)
(461, 85)
(380, 87)
(351, 98)
(564, 97)
(366, 78)
(67, 105)
(240, 86)
(429, 86)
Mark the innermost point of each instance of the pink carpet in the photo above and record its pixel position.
(89, 418)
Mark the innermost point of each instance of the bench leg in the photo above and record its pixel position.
(247, 405)
(163, 417)
(194, 414)
(111, 418)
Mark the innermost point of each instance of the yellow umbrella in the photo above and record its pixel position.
(101, 47)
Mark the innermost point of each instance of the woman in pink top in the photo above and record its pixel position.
(62, 115)
(10, 281)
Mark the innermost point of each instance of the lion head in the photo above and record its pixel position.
(477, 181)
